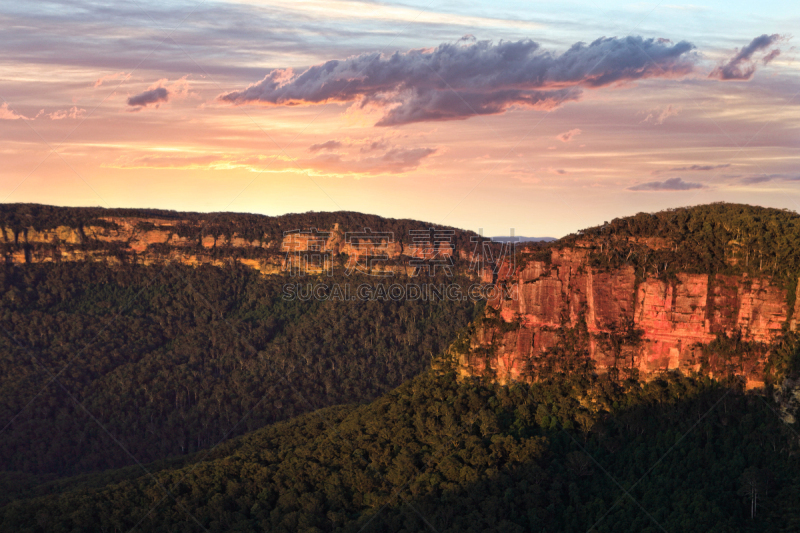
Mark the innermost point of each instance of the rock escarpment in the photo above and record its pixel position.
(149, 240)
(650, 324)
(134, 239)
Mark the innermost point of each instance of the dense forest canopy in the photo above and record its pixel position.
(715, 238)
(569, 454)
(173, 359)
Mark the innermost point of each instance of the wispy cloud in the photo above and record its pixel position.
(742, 66)
(692, 168)
(672, 184)
(567, 136)
(9, 114)
(328, 145)
(393, 161)
(74, 112)
(456, 81)
(109, 77)
(396, 160)
(764, 178)
(372, 146)
(658, 116)
(177, 162)
(354, 10)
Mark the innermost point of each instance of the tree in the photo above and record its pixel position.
(755, 483)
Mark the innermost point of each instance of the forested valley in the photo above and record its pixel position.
(171, 397)
(107, 366)
(576, 452)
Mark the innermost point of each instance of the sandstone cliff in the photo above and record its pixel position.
(648, 324)
(638, 315)
(148, 240)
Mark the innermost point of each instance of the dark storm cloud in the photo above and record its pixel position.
(672, 184)
(454, 81)
(742, 66)
(152, 96)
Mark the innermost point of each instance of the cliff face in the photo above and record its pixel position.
(143, 240)
(152, 240)
(650, 325)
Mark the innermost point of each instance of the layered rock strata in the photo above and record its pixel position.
(670, 321)
(152, 240)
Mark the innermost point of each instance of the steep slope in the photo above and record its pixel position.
(439, 454)
(671, 291)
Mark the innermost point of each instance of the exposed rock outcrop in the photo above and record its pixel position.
(669, 321)
(787, 396)
(154, 240)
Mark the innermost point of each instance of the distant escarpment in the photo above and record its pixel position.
(708, 290)
(314, 242)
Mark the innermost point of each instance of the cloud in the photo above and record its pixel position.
(393, 161)
(672, 184)
(658, 116)
(109, 77)
(152, 96)
(160, 92)
(371, 146)
(10, 114)
(366, 145)
(764, 178)
(568, 135)
(328, 145)
(176, 162)
(770, 56)
(396, 160)
(742, 66)
(74, 112)
(692, 168)
(455, 81)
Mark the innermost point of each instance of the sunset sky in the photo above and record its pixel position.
(544, 117)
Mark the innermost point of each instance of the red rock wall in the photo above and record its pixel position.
(674, 316)
(65, 244)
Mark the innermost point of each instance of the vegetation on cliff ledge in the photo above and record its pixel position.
(251, 227)
(715, 238)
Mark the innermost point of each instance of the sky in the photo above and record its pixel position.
(537, 117)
